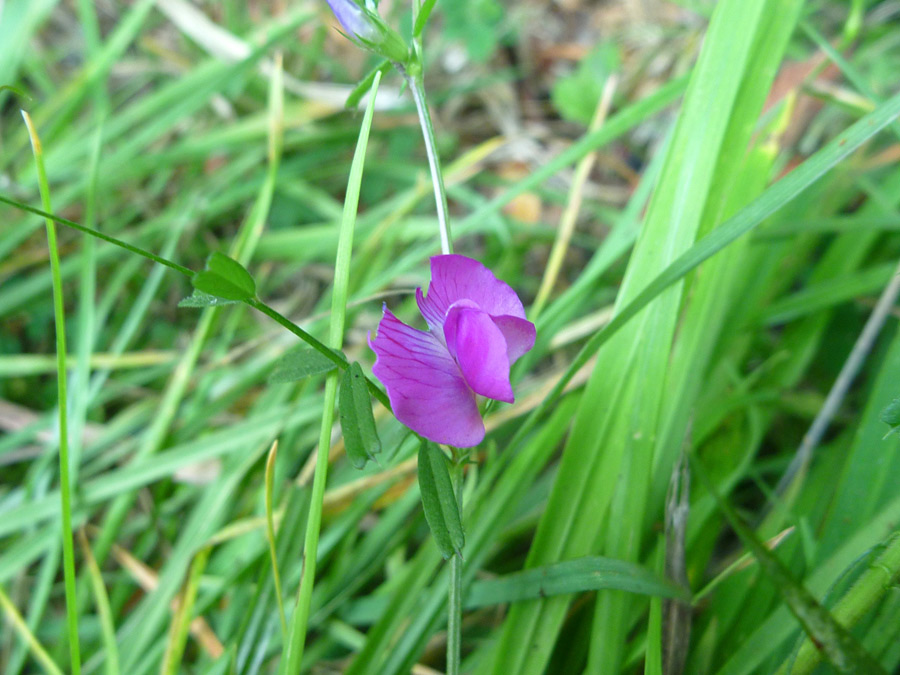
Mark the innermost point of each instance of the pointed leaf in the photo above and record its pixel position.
(357, 422)
(365, 84)
(891, 414)
(439, 500)
(225, 278)
(298, 364)
(422, 18)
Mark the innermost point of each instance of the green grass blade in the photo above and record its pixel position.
(104, 611)
(293, 652)
(773, 199)
(270, 535)
(837, 644)
(19, 625)
(59, 316)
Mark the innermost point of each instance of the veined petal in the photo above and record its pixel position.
(480, 349)
(519, 333)
(428, 393)
(456, 277)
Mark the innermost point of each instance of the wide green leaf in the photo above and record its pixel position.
(225, 278)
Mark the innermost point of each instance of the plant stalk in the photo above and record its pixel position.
(416, 86)
(454, 609)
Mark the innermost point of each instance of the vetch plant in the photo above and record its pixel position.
(563, 501)
(477, 330)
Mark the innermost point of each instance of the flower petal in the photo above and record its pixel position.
(480, 349)
(428, 392)
(456, 277)
(352, 18)
(519, 333)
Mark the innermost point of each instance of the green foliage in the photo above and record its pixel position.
(575, 96)
(225, 278)
(439, 500)
(838, 645)
(298, 364)
(891, 415)
(722, 268)
(475, 23)
(361, 440)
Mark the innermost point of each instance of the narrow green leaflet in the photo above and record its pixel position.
(225, 278)
(357, 422)
(422, 18)
(299, 364)
(891, 416)
(571, 576)
(439, 500)
(365, 84)
(835, 642)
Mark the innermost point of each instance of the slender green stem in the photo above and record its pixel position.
(258, 305)
(64, 487)
(455, 601)
(99, 235)
(416, 86)
(333, 355)
(293, 654)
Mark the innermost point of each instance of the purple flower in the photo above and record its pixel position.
(477, 330)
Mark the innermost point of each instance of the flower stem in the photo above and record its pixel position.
(454, 610)
(416, 86)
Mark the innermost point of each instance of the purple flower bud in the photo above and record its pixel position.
(477, 330)
(353, 19)
(368, 31)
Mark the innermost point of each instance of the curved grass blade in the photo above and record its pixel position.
(101, 600)
(270, 535)
(59, 317)
(18, 623)
(292, 654)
